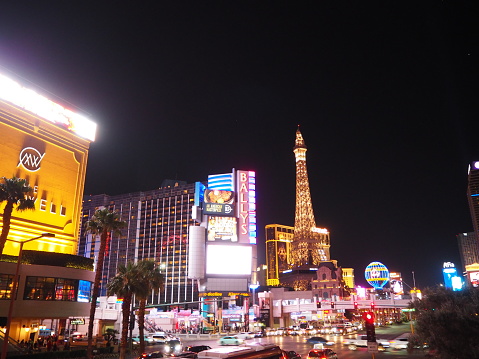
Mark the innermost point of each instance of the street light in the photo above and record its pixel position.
(13, 292)
(253, 287)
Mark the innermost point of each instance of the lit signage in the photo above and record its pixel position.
(29, 100)
(474, 279)
(218, 203)
(222, 229)
(54, 167)
(228, 259)
(246, 190)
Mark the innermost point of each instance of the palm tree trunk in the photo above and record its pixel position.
(125, 321)
(141, 324)
(96, 292)
(7, 217)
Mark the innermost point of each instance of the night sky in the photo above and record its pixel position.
(386, 97)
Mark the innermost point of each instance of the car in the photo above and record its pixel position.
(258, 334)
(148, 340)
(230, 340)
(244, 335)
(319, 340)
(187, 355)
(291, 354)
(197, 348)
(151, 355)
(322, 354)
(158, 338)
(172, 347)
(401, 342)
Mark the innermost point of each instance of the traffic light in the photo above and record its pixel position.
(332, 305)
(318, 304)
(356, 305)
(370, 330)
(373, 305)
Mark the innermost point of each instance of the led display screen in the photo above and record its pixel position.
(222, 229)
(228, 259)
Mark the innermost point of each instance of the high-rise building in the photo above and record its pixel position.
(278, 251)
(473, 194)
(158, 223)
(310, 244)
(468, 248)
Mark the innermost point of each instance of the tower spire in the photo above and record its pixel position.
(310, 245)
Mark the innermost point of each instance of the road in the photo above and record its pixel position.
(298, 344)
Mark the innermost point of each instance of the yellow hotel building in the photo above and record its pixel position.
(47, 144)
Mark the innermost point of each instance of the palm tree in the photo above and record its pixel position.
(15, 191)
(104, 222)
(125, 284)
(151, 279)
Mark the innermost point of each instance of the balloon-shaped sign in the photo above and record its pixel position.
(377, 274)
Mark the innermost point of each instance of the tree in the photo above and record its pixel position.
(447, 321)
(125, 284)
(104, 223)
(151, 279)
(16, 192)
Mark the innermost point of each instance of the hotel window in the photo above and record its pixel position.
(47, 288)
(6, 283)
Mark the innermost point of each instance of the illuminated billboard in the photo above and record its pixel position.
(228, 259)
(451, 278)
(219, 202)
(246, 189)
(39, 105)
(222, 229)
(53, 160)
(474, 279)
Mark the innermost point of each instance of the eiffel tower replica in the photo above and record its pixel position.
(310, 245)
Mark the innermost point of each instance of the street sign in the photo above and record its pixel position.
(373, 347)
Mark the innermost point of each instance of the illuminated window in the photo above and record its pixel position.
(6, 283)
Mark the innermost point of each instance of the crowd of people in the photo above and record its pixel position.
(51, 343)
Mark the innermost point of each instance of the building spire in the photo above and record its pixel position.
(310, 245)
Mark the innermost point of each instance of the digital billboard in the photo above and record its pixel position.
(222, 229)
(474, 279)
(228, 259)
(219, 202)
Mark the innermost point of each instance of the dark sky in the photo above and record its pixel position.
(386, 96)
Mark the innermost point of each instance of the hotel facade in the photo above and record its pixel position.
(46, 144)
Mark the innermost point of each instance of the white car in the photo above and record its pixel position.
(244, 335)
(401, 342)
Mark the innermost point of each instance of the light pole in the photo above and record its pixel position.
(13, 292)
(253, 287)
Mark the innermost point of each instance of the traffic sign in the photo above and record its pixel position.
(373, 347)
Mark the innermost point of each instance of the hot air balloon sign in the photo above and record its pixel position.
(377, 274)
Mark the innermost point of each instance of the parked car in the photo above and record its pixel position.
(319, 340)
(322, 354)
(291, 354)
(230, 340)
(197, 348)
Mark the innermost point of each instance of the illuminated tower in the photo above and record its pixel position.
(310, 244)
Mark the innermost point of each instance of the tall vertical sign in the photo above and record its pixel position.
(246, 189)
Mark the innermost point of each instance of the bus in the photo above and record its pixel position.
(247, 351)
